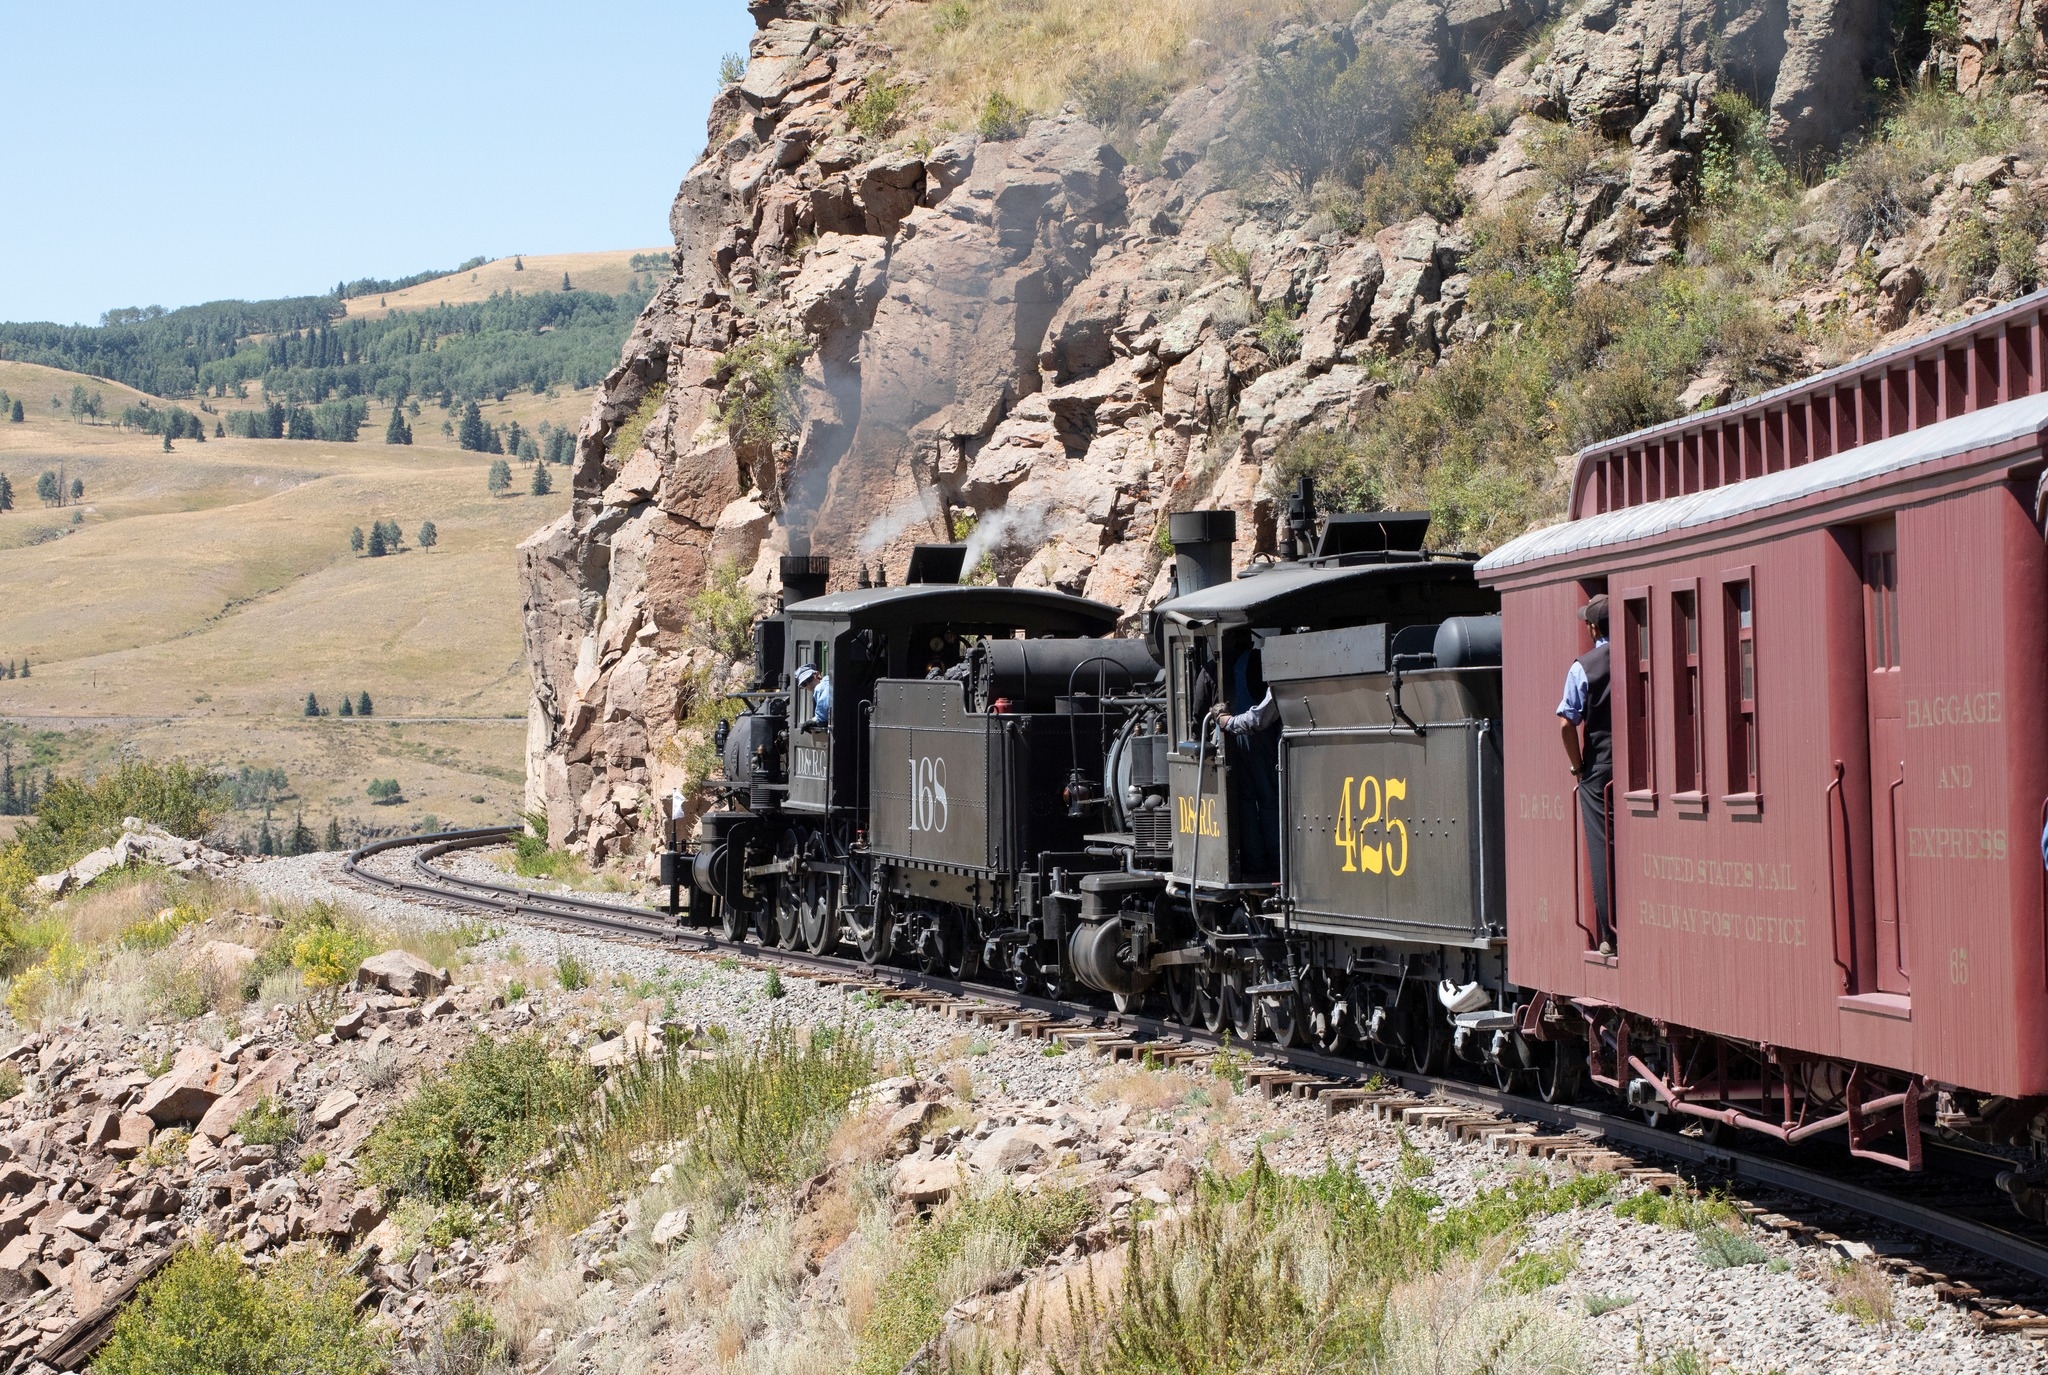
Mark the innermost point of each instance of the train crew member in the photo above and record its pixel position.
(1256, 780)
(821, 696)
(1586, 709)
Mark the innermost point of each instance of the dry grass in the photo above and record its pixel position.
(1039, 56)
(1863, 1291)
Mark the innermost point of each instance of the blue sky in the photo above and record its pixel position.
(176, 153)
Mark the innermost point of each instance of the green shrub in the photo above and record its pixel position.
(1598, 1305)
(1001, 118)
(571, 973)
(267, 1123)
(1682, 1212)
(772, 985)
(757, 402)
(1536, 1270)
(328, 955)
(487, 1112)
(1723, 1248)
(722, 611)
(75, 816)
(1313, 114)
(10, 1079)
(625, 440)
(205, 1314)
(879, 108)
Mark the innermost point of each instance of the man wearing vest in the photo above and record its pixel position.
(1585, 708)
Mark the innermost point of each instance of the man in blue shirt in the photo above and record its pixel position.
(821, 694)
(1586, 710)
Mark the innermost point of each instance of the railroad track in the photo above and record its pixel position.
(1989, 1267)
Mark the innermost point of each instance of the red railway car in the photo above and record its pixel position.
(1829, 620)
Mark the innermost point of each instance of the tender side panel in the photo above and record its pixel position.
(931, 762)
(1390, 831)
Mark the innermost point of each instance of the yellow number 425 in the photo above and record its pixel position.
(1378, 856)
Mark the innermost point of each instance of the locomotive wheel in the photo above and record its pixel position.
(871, 931)
(1559, 1066)
(1429, 1041)
(789, 913)
(733, 920)
(1286, 1018)
(1184, 992)
(1239, 1008)
(1209, 1005)
(820, 914)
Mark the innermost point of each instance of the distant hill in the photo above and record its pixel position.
(478, 333)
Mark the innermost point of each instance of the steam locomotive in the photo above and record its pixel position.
(982, 782)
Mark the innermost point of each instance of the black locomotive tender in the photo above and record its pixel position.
(1001, 791)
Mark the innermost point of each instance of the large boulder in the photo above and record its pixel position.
(260, 1081)
(182, 1095)
(402, 974)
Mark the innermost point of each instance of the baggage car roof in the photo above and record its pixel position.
(1989, 428)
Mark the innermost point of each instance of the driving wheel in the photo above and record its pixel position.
(819, 898)
(1240, 1009)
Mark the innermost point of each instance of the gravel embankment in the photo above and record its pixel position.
(1776, 1316)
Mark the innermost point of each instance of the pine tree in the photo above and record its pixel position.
(493, 442)
(19, 415)
(513, 434)
(397, 432)
(376, 549)
(501, 477)
(312, 705)
(300, 842)
(47, 490)
(348, 706)
(6, 493)
(266, 843)
(78, 489)
(363, 704)
(333, 839)
(167, 441)
(394, 538)
(428, 535)
(355, 540)
(472, 436)
(565, 282)
(8, 805)
(542, 485)
(24, 665)
(220, 431)
(518, 263)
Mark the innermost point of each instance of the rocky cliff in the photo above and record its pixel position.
(1054, 328)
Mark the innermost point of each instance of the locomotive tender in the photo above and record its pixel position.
(1830, 622)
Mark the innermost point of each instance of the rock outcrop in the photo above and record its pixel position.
(867, 343)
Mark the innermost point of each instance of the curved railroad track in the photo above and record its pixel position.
(1981, 1255)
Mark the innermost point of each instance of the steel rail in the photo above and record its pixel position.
(1979, 1238)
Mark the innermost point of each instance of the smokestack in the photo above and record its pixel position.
(1201, 548)
(1298, 532)
(936, 563)
(804, 576)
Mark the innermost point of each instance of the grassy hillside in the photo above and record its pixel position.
(610, 272)
(189, 602)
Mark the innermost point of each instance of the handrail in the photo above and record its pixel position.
(2044, 894)
(1834, 895)
(1581, 863)
(1898, 892)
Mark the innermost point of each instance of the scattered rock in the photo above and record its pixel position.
(926, 1181)
(335, 1106)
(402, 973)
